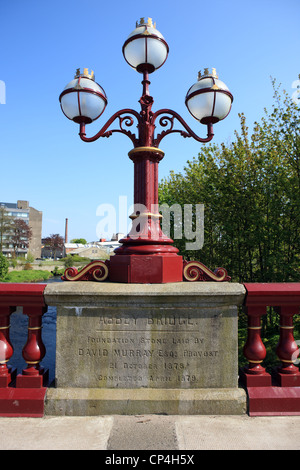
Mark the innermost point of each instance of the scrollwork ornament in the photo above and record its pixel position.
(194, 271)
(167, 118)
(94, 271)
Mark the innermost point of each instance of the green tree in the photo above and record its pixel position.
(21, 235)
(55, 243)
(79, 240)
(6, 225)
(3, 267)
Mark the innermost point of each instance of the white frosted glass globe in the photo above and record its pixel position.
(209, 100)
(83, 100)
(145, 48)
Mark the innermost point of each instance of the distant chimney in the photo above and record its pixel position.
(66, 232)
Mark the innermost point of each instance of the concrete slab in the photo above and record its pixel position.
(151, 432)
(51, 433)
(143, 432)
(238, 433)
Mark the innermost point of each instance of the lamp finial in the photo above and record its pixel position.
(146, 22)
(207, 73)
(85, 74)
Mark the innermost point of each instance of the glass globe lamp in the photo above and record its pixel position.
(209, 100)
(145, 49)
(83, 100)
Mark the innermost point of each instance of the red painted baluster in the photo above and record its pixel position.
(6, 348)
(34, 350)
(255, 375)
(287, 350)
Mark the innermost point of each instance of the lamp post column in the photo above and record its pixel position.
(146, 254)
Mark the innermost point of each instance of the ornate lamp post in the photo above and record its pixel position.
(146, 254)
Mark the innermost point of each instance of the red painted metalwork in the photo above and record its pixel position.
(22, 295)
(255, 374)
(22, 395)
(274, 401)
(6, 348)
(34, 376)
(22, 402)
(146, 257)
(278, 393)
(287, 349)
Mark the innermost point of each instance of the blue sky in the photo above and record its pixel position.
(43, 43)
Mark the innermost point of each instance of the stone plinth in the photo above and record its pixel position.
(157, 348)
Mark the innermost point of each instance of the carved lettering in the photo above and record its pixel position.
(133, 353)
(115, 320)
(166, 320)
(159, 350)
(93, 352)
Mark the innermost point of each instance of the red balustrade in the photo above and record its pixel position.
(6, 348)
(278, 392)
(23, 394)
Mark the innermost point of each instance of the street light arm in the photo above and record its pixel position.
(125, 117)
(168, 117)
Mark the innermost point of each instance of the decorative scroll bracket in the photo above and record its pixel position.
(125, 118)
(195, 271)
(94, 271)
(146, 126)
(167, 118)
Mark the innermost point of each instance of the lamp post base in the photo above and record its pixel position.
(146, 269)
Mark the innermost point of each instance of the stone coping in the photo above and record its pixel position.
(93, 293)
(95, 402)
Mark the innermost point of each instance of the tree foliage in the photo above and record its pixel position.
(6, 226)
(251, 193)
(79, 240)
(55, 243)
(20, 236)
(3, 267)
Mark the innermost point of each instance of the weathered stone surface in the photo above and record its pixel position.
(166, 337)
(95, 402)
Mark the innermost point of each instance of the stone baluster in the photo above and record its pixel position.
(287, 350)
(34, 376)
(255, 375)
(7, 374)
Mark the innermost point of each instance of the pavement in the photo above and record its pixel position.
(151, 433)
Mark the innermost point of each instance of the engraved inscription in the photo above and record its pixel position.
(155, 346)
(146, 351)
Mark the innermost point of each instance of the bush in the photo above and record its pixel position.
(27, 266)
(30, 257)
(3, 266)
(13, 262)
(70, 261)
(58, 272)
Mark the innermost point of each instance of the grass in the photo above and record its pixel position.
(27, 276)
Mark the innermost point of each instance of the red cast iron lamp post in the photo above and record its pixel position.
(146, 254)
